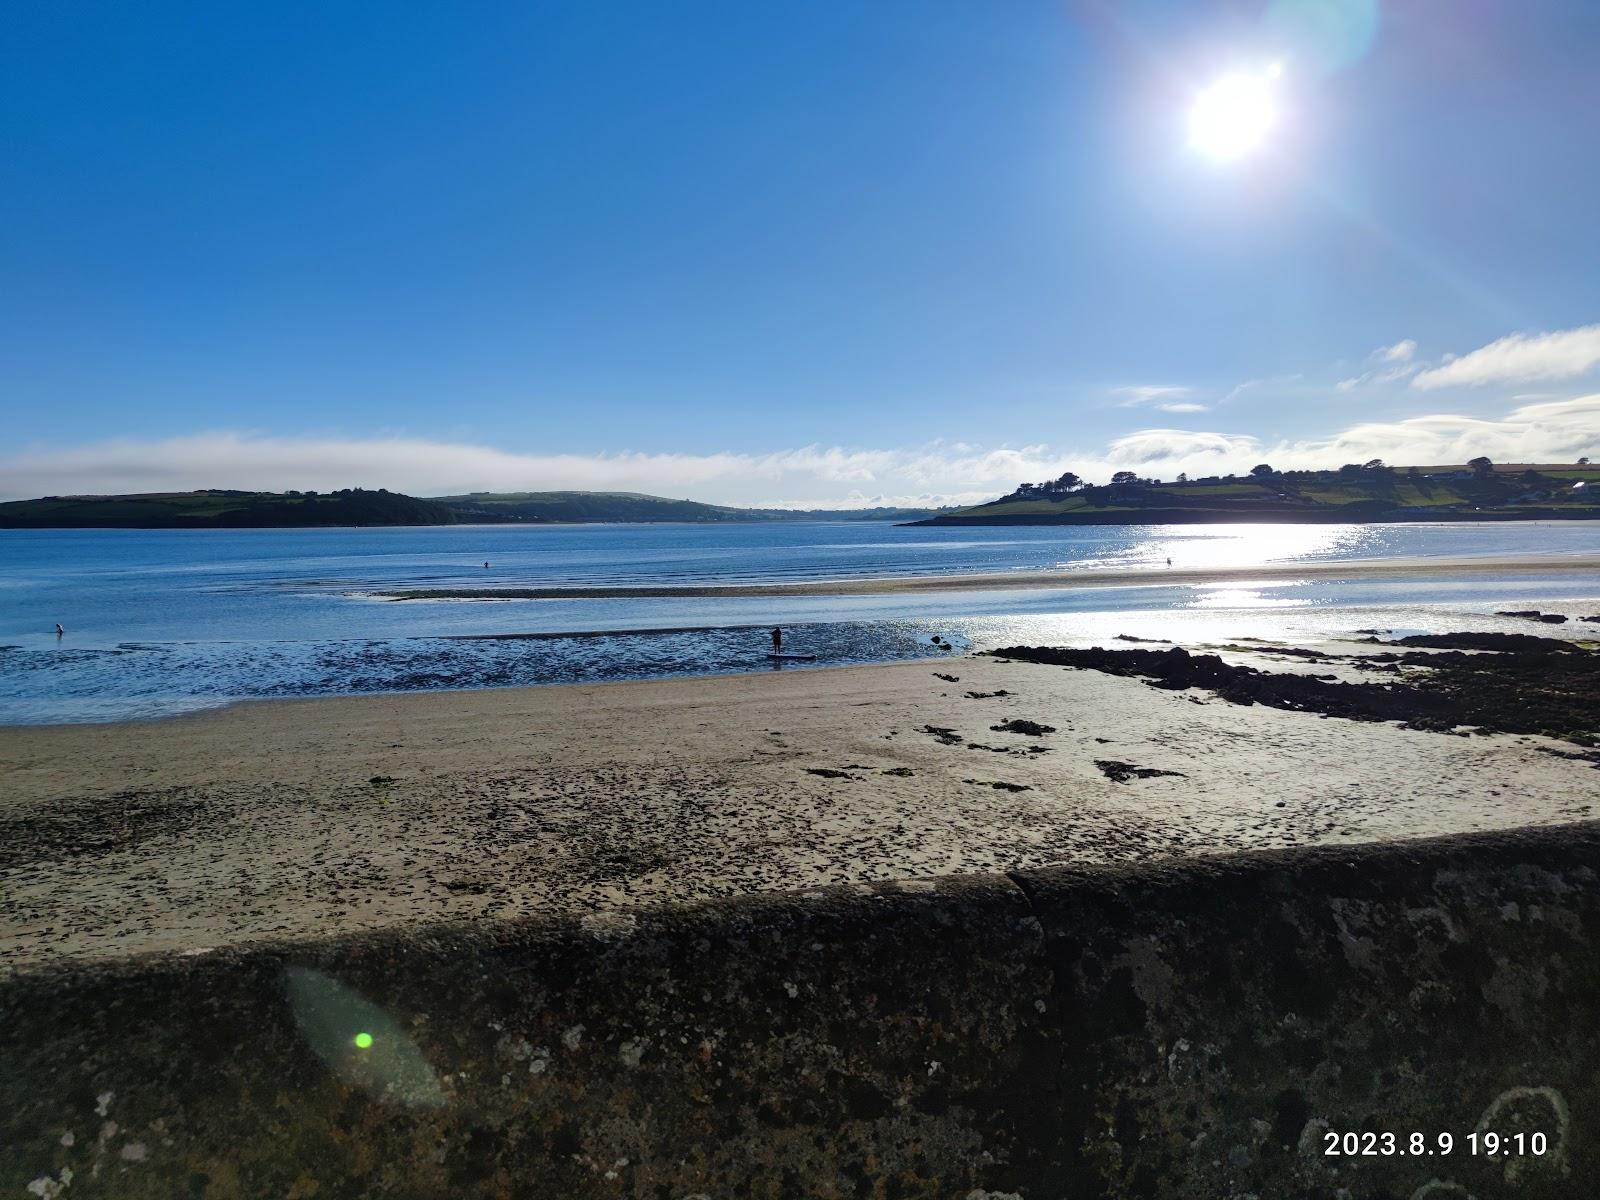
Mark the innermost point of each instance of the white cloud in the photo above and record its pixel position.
(1276, 383)
(1558, 431)
(1147, 393)
(1398, 357)
(1554, 431)
(809, 475)
(1518, 358)
(1164, 397)
(804, 477)
(1178, 448)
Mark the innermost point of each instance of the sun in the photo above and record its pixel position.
(1235, 114)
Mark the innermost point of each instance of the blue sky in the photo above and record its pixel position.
(786, 253)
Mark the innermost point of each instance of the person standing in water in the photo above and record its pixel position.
(777, 639)
(60, 630)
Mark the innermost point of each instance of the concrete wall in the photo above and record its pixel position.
(1178, 1031)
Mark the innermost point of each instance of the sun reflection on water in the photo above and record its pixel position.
(1205, 547)
(1247, 595)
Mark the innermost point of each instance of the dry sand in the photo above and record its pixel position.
(263, 821)
(1080, 577)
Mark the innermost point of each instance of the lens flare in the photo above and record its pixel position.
(1323, 36)
(360, 1043)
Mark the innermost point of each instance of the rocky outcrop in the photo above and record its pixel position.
(1497, 682)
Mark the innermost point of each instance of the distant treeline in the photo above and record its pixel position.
(1369, 491)
(634, 507)
(223, 508)
(218, 508)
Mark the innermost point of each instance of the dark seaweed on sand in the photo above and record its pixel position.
(1020, 725)
(1507, 683)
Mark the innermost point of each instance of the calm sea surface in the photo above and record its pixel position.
(161, 622)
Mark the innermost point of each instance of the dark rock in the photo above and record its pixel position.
(1121, 772)
(1533, 614)
(1523, 642)
(1019, 751)
(1287, 651)
(1525, 684)
(1030, 728)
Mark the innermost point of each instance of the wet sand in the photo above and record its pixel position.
(293, 819)
(1080, 577)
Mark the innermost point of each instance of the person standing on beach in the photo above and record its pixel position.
(777, 639)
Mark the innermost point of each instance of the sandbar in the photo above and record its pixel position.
(1077, 577)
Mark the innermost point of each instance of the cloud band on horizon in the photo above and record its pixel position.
(803, 477)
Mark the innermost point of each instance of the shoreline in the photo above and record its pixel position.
(324, 816)
(922, 523)
(267, 703)
(1353, 615)
(1083, 577)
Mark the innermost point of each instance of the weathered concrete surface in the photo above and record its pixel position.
(1178, 1031)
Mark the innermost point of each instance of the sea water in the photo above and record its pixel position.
(161, 622)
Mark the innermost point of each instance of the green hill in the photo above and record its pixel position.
(542, 507)
(220, 509)
(216, 508)
(1481, 491)
(635, 507)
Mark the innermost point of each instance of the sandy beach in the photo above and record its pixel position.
(1079, 577)
(294, 819)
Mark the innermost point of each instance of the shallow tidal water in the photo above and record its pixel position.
(161, 622)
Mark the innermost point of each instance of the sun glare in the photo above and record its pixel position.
(1235, 114)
